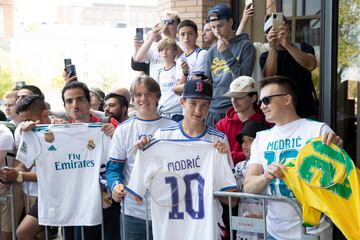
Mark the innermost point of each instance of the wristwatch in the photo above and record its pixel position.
(20, 177)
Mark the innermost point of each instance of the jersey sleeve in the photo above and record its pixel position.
(256, 155)
(224, 178)
(201, 64)
(6, 140)
(144, 167)
(117, 158)
(29, 148)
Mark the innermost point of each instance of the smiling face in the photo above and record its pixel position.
(145, 101)
(274, 111)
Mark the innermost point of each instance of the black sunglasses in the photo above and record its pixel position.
(168, 22)
(267, 99)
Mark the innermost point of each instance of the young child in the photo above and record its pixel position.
(247, 207)
(193, 59)
(169, 106)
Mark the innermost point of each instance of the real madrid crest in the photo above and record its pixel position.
(49, 137)
(91, 144)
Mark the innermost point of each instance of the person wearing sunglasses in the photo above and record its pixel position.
(148, 52)
(272, 148)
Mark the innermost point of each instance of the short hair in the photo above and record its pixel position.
(174, 16)
(2, 116)
(285, 83)
(150, 84)
(10, 94)
(33, 103)
(73, 85)
(187, 23)
(119, 98)
(34, 89)
(167, 43)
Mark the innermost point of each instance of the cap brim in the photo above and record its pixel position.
(239, 138)
(197, 97)
(235, 94)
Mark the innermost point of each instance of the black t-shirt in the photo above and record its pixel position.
(287, 66)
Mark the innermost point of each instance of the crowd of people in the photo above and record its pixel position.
(250, 100)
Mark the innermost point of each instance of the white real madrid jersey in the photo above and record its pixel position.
(276, 145)
(123, 150)
(175, 131)
(68, 159)
(198, 170)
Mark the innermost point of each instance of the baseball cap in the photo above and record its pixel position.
(241, 86)
(198, 89)
(218, 12)
(100, 94)
(250, 129)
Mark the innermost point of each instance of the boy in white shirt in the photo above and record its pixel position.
(169, 106)
(193, 59)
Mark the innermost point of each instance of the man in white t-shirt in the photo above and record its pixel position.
(274, 146)
(148, 52)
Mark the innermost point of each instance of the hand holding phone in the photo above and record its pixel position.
(69, 69)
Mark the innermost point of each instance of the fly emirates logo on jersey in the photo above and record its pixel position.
(74, 161)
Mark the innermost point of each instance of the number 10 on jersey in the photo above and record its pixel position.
(194, 184)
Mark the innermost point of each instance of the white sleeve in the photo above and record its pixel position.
(256, 155)
(117, 148)
(178, 69)
(224, 178)
(6, 140)
(324, 129)
(201, 64)
(144, 167)
(29, 148)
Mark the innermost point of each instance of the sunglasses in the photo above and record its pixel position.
(267, 99)
(168, 22)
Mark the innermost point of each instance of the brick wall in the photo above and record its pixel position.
(195, 10)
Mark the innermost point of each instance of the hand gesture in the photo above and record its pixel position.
(185, 68)
(271, 37)
(222, 44)
(221, 147)
(28, 125)
(108, 129)
(142, 142)
(282, 36)
(118, 192)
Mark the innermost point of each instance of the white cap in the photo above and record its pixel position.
(241, 86)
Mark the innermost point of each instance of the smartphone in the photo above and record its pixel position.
(20, 84)
(69, 68)
(201, 75)
(139, 34)
(277, 20)
(248, 2)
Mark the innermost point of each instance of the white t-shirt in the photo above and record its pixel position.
(29, 188)
(195, 60)
(203, 170)
(175, 131)
(276, 144)
(123, 150)
(154, 59)
(169, 101)
(6, 143)
(68, 159)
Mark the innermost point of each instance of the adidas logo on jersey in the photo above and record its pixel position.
(52, 148)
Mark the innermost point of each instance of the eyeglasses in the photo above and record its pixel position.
(168, 22)
(267, 99)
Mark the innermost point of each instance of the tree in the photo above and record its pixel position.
(5, 81)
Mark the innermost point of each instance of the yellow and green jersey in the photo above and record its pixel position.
(325, 180)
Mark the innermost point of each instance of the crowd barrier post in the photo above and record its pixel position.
(256, 225)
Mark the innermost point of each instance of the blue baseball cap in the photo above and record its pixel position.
(198, 89)
(218, 12)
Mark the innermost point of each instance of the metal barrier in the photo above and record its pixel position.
(255, 225)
